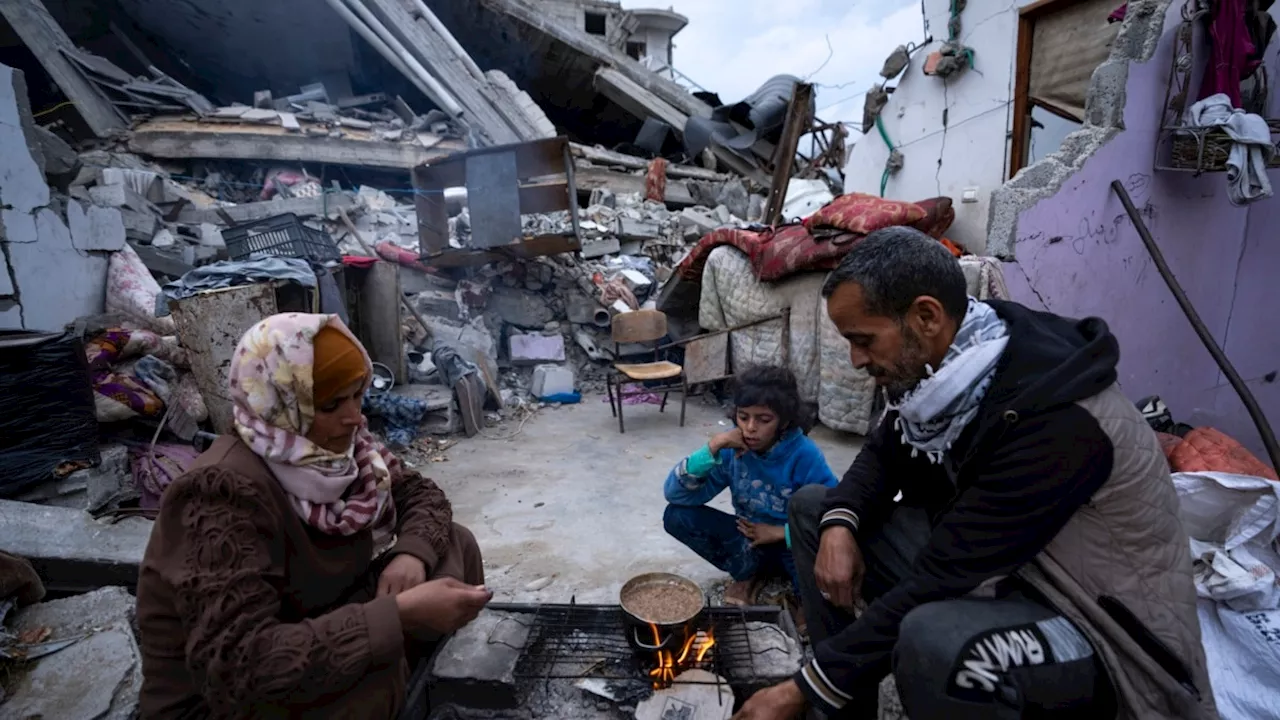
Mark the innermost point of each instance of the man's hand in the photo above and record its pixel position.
(443, 605)
(839, 567)
(761, 533)
(729, 439)
(403, 572)
(780, 702)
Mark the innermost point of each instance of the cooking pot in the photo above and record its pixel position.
(672, 632)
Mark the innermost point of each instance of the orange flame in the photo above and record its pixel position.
(668, 663)
(707, 643)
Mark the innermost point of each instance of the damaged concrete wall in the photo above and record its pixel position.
(278, 45)
(55, 257)
(1077, 254)
(953, 134)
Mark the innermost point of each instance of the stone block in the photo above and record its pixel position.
(108, 480)
(138, 226)
(437, 303)
(109, 195)
(699, 220)
(95, 228)
(532, 349)
(551, 380)
(476, 667)
(211, 236)
(635, 280)
(634, 228)
(70, 550)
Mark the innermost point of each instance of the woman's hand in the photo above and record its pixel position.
(443, 605)
(761, 533)
(403, 572)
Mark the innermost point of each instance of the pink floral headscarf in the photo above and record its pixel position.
(274, 405)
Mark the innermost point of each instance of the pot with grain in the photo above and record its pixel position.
(661, 610)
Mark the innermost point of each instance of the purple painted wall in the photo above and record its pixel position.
(1078, 255)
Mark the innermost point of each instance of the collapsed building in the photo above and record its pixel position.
(484, 186)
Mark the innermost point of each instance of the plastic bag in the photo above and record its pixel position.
(1243, 654)
(49, 411)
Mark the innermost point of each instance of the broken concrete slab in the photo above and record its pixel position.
(79, 613)
(326, 205)
(95, 228)
(46, 39)
(633, 228)
(88, 489)
(98, 677)
(521, 308)
(533, 349)
(176, 139)
(139, 226)
(600, 247)
(70, 550)
(476, 667)
(289, 121)
(109, 479)
(440, 303)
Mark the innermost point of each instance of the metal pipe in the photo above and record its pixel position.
(449, 39)
(1210, 344)
(376, 42)
(436, 91)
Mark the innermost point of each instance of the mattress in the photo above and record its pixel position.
(815, 351)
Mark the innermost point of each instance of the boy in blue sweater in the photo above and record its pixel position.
(762, 461)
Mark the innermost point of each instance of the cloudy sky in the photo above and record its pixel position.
(732, 46)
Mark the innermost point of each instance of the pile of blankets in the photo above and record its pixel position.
(822, 239)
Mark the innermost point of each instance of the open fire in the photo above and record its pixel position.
(669, 664)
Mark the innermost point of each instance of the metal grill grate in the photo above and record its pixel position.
(575, 641)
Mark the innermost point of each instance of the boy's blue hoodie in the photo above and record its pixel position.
(761, 485)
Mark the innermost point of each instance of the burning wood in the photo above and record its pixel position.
(669, 665)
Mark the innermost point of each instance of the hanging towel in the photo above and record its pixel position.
(1251, 146)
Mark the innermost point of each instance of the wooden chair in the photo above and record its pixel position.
(643, 326)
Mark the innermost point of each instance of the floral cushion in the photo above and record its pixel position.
(864, 214)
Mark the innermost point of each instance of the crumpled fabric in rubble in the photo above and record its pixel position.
(400, 415)
(233, 273)
(156, 466)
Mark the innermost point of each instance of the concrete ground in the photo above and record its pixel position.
(570, 508)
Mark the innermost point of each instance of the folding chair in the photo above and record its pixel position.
(643, 326)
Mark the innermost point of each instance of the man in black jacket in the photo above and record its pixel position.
(966, 529)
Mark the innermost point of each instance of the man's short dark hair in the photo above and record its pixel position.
(773, 387)
(896, 265)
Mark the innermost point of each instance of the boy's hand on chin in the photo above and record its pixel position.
(729, 439)
(761, 533)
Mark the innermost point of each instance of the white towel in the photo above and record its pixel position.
(1251, 148)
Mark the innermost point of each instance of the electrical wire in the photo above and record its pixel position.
(55, 108)
(884, 135)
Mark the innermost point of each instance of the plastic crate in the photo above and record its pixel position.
(282, 236)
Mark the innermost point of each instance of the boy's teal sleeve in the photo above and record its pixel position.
(700, 462)
(696, 479)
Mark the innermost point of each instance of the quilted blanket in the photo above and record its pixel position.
(731, 296)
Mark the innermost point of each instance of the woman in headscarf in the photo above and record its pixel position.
(291, 563)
